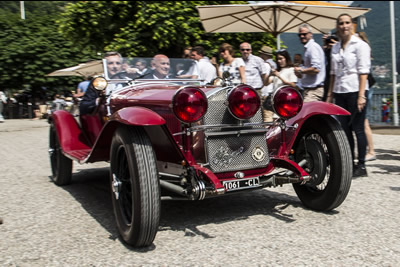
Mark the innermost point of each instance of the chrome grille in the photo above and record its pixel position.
(227, 151)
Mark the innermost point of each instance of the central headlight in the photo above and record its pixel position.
(243, 102)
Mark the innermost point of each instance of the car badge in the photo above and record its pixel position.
(258, 154)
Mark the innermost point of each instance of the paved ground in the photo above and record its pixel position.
(46, 225)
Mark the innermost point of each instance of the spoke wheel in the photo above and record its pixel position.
(328, 160)
(135, 186)
(61, 166)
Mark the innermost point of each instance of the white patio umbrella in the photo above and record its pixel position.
(87, 69)
(273, 17)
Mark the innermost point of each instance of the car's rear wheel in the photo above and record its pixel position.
(61, 166)
(135, 186)
(323, 145)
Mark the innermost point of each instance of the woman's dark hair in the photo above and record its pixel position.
(286, 55)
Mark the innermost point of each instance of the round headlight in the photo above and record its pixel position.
(189, 104)
(287, 102)
(99, 83)
(243, 102)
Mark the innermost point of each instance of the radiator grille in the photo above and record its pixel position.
(230, 152)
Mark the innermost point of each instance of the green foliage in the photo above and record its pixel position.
(60, 34)
(32, 48)
(145, 28)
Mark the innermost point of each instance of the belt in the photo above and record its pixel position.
(310, 88)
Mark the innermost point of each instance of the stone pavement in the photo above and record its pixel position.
(47, 225)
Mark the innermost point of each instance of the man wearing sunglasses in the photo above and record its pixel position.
(312, 73)
(256, 71)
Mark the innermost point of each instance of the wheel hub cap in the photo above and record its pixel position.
(116, 186)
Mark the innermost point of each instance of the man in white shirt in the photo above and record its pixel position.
(207, 71)
(256, 71)
(312, 73)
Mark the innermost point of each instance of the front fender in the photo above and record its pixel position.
(280, 146)
(137, 116)
(162, 141)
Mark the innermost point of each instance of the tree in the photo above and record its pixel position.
(32, 48)
(145, 28)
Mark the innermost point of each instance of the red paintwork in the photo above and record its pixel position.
(280, 149)
(73, 142)
(148, 105)
(139, 116)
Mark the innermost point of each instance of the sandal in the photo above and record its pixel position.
(370, 157)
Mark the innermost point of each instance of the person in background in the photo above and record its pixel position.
(255, 70)
(235, 66)
(3, 101)
(298, 60)
(141, 66)
(91, 99)
(350, 65)
(266, 54)
(207, 72)
(368, 132)
(161, 66)
(283, 75)
(329, 41)
(190, 69)
(312, 74)
(82, 87)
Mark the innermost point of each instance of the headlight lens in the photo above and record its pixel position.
(189, 104)
(287, 102)
(99, 83)
(243, 102)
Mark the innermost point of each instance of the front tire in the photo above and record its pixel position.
(325, 148)
(61, 166)
(135, 186)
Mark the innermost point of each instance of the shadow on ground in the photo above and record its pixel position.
(91, 188)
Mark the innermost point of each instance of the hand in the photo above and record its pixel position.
(131, 70)
(297, 72)
(275, 73)
(361, 101)
(329, 99)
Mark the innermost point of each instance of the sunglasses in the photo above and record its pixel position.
(245, 49)
(280, 51)
(303, 34)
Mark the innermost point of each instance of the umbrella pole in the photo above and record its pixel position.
(278, 42)
(394, 73)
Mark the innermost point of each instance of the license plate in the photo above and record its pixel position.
(241, 184)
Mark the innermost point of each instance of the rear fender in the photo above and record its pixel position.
(311, 110)
(163, 143)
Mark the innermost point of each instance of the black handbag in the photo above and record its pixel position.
(371, 80)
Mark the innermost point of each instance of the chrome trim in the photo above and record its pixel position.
(239, 132)
(198, 128)
(217, 90)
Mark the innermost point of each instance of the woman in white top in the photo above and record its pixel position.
(283, 75)
(350, 65)
(235, 66)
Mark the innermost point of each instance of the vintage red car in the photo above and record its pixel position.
(178, 138)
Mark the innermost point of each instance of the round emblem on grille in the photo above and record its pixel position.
(258, 154)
